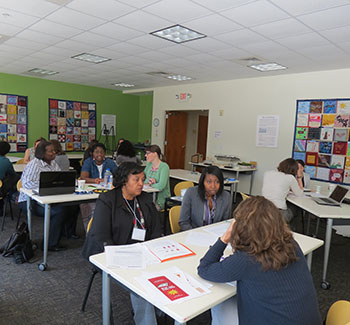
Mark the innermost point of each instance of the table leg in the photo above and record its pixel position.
(251, 182)
(46, 232)
(309, 260)
(29, 216)
(235, 190)
(106, 298)
(154, 197)
(325, 284)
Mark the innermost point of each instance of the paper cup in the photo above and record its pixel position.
(318, 189)
(81, 184)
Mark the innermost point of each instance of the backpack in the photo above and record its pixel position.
(19, 245)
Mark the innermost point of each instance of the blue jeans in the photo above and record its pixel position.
(225, 313)
(144, 313)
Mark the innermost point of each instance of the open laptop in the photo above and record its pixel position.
(58, 182)
(334, 199)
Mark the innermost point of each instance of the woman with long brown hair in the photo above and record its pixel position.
(274, 285)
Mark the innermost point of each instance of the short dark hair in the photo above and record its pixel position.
(126, 149)
(301, 162)
(288, 166)
(122, 173)
(57, 147)
(212, 170)
(41, 148)
(155, 148)
(4, 148)
(98, 145)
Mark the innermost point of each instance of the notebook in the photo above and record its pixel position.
(54, 183)
(334, 199)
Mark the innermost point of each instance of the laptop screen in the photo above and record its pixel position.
(339, 193)
(57, 182)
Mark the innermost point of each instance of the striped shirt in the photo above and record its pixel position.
(31, 175)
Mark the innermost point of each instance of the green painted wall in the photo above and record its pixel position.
(133, 113)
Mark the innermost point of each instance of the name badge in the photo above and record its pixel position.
(138, 234)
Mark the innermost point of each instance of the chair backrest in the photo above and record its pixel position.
(19, 185)
(339, 313)
(21, 161)
(244, 196)
(89, 224)
(174, 216)
(181, 186)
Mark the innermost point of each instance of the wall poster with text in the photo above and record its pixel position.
(14, 121)
(322, 138)
(72, 123)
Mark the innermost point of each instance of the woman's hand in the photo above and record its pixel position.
(99, 180)
(151, 181)
(225, 238)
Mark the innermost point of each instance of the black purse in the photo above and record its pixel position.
(19, 245)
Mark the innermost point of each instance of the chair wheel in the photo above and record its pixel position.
(42, 266)
(325, 285)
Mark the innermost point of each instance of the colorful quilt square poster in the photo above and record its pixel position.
(322, 138)
(13, 121)
(66, 118)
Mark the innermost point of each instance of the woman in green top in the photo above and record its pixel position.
(157, 174)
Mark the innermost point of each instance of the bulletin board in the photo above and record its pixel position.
(321, 138)
(72, 123)
(14, 121)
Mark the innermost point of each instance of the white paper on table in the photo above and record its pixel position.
(198, 284)
(174, 282)
(201, 238)
(314, 194)
(218, 229)
(125, 256)
(168, 249)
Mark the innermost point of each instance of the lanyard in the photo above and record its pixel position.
(209, 214)
(141, 221)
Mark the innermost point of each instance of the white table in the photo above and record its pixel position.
(192, 176)
(237, 170)
(150, 189)
(47, 201)
(325, 212)
(14, 159)
(182, 312)
(19, 167)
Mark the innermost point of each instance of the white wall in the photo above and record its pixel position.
(242, 101)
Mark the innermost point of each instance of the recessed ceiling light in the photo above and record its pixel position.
(42, 72)
(267, 67)
(178, 34)
(90, 58)
(178, 77)
(122, 84)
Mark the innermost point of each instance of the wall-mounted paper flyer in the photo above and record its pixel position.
(267, 131)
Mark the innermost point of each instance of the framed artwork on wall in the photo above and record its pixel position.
(322, 138)
(72, 123)
(14, 121)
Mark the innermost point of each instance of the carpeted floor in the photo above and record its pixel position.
(28, 296)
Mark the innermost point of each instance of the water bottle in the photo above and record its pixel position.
(108, 179)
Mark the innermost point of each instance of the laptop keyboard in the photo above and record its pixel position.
(327, 200)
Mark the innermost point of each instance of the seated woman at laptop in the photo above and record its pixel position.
(206, 203)
(278, 183)
(94, 168)
(274, 285)
(62, 218)
(125, 215)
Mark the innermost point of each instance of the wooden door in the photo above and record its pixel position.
(202, 135)
(175, 139)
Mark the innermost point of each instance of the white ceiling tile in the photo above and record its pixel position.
(322, 52)
(206, 44)
(108, 53)
(155, 56)
(116, 32)
(282, 28)
(247, 15)
(20, 43)
(178, 50)
(345, 46)
(337, 35)
(59, 66)
(55, 29)
(149, 41)
(239, 37)
(183, 10)
(143, 21)
(139, 3)
(94, 39)
(299, 7)
(38, 8)
(74, 18)
(105, 9)
(231, 53)
(212, 25)
(9, 30)
(222, 4)
(127, 48)
(302, 41)
(266, 49)
(327, 19)
(76, 46)
(203, 58)
(62, 52)
(15, 18)
(133, 60)
(31, 35)
(179, 62)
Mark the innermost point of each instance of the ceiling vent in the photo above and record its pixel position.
(159, 74)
